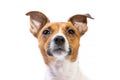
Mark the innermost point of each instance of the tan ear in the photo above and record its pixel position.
(80, 22)
(37, 21)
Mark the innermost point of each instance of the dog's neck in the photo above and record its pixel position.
(63, 70)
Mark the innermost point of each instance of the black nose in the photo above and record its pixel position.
(59, 40)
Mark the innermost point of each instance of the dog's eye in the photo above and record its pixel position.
(71, 31)
(46, 32)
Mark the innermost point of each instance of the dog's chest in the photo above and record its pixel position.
(63, 70)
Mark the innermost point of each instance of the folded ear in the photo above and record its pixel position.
(80, 22)
(37, 21)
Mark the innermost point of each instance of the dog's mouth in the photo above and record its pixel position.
(59, 51)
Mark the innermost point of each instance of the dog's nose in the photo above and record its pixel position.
(59, 40)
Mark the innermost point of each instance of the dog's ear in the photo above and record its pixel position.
(37, 21)
(80, 22)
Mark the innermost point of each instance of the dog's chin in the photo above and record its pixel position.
(59, 52)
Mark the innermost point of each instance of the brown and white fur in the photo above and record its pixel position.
(59, 44)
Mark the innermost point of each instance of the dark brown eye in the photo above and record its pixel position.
(71, 31)
(46, 32)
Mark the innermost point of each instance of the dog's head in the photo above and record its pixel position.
(58, 40)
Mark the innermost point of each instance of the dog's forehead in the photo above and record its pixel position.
(57, 25)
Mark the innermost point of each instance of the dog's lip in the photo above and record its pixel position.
(59, 49)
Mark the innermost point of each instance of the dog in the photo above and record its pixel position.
(59, 44)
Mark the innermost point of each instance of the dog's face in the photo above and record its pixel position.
(58, 40)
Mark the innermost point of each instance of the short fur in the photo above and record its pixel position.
(62, 62)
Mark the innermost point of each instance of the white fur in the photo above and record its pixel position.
(63, 70)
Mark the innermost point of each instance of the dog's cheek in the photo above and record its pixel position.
(42, 46)
(74, 45)
(43, 49)
(75, 53)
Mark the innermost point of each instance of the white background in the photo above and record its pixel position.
(20, 58)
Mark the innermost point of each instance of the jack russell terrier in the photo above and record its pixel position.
(59, 44)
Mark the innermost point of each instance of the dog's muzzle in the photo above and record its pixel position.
(58, 46)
